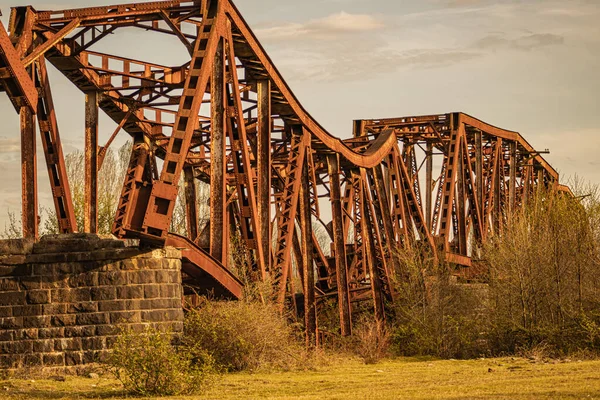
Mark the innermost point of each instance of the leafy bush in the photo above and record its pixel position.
(242, 336)
(147, 364)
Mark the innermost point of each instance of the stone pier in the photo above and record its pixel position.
(63, 299)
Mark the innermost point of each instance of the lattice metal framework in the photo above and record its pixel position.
(227, 118)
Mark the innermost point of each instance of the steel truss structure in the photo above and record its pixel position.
(227, 118)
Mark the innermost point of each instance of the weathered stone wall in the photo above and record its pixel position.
(63, 299)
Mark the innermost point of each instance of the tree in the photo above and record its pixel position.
(545, 268)
(110, 182)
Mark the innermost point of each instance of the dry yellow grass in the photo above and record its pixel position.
(501, 378)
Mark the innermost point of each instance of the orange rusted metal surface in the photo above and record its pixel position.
(227, 118)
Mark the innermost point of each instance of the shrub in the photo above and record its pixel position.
(433, 314)
(242, 336)
(372, 340)
(147, 364)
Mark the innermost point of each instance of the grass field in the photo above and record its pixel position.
(501, 378)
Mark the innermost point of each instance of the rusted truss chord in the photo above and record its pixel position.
(244, 172)
(449, 189)
(373, 250)
(326, 278)
(134, 191)
(357, 269)
(475, 208)
(313, 191)
(288, 206)
(403, 228)
(410, 160)
(490, 184)
(120, 14)
(438, 201)
(164, 191)
(15, 79)
(149, 74)
(384, 231)
(55, 162)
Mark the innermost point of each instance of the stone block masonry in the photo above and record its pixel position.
(64, 299)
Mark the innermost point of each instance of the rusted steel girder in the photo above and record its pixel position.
(29, 197)
(90, 214)
(441, 183)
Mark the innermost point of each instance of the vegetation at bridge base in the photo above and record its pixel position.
(245, 336)
(147, 363)
(540, 295)
(545, 275)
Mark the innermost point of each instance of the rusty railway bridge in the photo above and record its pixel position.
(226, 117)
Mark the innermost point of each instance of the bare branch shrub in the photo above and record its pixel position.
(372, 340)
(433, 315)
(243, 336)
(545, 274)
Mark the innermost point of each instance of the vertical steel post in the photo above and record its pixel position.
(527, 177)
(218, 194)
(29, 197)
(339, 245)
(428, 184)
(369, 247)
(461, 201)
(191, 203)
(90, 224)
(264, 168)
(55, 160)
(310, 306)
(499, 177)
(479, 168)
(512, 184)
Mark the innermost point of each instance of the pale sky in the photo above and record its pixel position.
(529, 66)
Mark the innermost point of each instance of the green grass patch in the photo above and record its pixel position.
(412, 378)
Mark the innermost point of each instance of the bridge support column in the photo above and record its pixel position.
(512, 183)
(460, 201)
(339, 246)
(218, 188)
(191, 203)
(479, 168)
(264, 169)
(428, 184)
(90, 221)
(310, 305)
(497, 213)
(29, 198)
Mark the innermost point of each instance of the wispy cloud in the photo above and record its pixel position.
(460, 3)
(363, 62)
(526, 42)
(361, 46)
(9, 145)
(331, 25)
